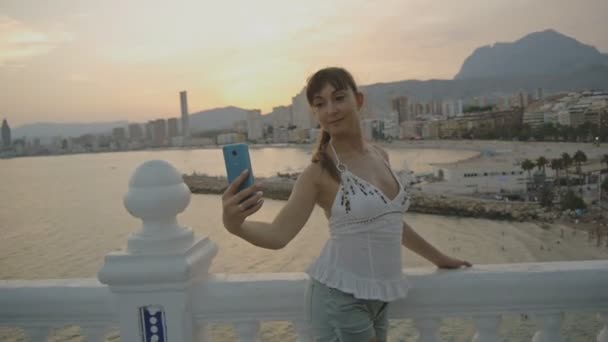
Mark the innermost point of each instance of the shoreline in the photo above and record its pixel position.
(446, 144)
(279, 188)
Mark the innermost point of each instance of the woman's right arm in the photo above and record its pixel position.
(286, 225)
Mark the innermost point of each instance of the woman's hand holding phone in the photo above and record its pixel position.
(235, 212)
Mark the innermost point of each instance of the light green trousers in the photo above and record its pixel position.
(336, 316)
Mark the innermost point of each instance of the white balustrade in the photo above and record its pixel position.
(603, 335)
(487, 328)
(201, 331)
(37, 333)
(152, 281)
(549, 324)
(247, 331)
(159, 287)
(95, 332)
(428, 328)
(41, 306)
(303, 331)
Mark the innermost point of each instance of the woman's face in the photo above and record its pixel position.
(337, 110)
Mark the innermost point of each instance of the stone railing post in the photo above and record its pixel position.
(152, 280)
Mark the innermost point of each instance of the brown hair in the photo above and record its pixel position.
(340, 79)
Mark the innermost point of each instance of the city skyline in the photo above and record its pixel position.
(94, 62)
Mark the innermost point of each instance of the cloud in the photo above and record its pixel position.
(19, 41)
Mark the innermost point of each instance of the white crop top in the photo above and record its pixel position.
(363, 253)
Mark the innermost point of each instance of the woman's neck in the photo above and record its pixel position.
(349, 146)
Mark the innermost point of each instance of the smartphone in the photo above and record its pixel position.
(236, 158)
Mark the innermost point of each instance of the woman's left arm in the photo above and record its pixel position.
(417, 244)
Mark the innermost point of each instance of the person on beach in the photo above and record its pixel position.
(359, 271)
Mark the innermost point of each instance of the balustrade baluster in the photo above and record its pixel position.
(247, 331)
(201, 332)
(95, 333)
(549, 325)
(487, 328)
(37, 333)
(428, 328)
(603, 335)
(303, 331)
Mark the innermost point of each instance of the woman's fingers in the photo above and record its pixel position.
(237, 205)
(251, 201)
(232, 189)
(254, 209)
(243, 194)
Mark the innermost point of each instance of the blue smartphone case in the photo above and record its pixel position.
(236, 158)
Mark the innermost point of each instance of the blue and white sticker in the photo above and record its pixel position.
(153, 323)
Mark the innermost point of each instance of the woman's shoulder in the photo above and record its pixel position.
(380, 150)
(317, 176)
(312, 173)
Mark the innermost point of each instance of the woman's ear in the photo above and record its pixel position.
(360, 99)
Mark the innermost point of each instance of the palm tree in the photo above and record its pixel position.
(604, 185)
(556, 165)
(579, 158)
(541, 162)
(527, 165)
(567, 162)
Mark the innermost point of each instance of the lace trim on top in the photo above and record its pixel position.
(362, 288)
(351, 183)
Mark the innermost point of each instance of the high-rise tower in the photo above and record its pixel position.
(183, 98)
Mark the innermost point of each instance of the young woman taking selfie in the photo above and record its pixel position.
(359, 272)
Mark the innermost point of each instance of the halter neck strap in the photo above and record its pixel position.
(341, 167)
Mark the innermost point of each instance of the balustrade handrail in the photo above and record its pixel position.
(482, 290)
(56, 302)
(490, 289)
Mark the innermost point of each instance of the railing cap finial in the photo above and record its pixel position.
(156, 192)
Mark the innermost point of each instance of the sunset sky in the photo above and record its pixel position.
(85, 61)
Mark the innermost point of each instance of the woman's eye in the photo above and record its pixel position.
(340, 97)
(318, 104)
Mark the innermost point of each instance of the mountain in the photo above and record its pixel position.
(379, 95)
(547, 59)
(216, 119)
(540, 53)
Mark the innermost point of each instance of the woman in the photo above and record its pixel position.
(359, 270)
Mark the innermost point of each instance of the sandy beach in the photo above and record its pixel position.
(530, 150)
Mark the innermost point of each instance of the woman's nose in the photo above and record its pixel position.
(331, 107)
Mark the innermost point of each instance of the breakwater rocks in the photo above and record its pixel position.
(279, 188)
(472, 207)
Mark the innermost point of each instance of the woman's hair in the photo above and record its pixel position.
(340, 79)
